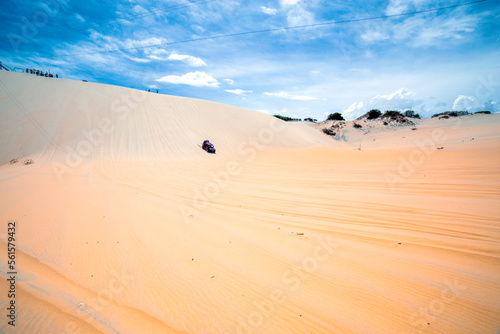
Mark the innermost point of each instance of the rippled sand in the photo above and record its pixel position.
(124, 225)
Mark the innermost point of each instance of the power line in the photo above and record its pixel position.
(282, 28)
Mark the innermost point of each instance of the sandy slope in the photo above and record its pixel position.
(134, 229)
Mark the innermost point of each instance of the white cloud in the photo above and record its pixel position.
(197, 79)
(354, 110)
(238, 91)
(156, 54)
(193, 61)
(268, 11)
(285, 3)
(397, 7)
(286, 95)
(298, 16)
(439, 29)
(79, 18)
(106, 42)
(134, 43)
(401, 99)
(465, 103)
(137, 9)
(139, 60)
(374, 36)
(229, 81)
(162, 55)
(421, 30)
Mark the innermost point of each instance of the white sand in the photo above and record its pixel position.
(284, 230)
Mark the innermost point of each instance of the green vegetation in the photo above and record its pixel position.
(287, 119)
(336, 116)
(483, 112)
(451, 113)
(373, 114)
(409, 113)
(392, 113)
(309, 119)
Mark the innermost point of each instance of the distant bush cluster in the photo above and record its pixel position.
(288, 119)
(373, 114)
(454, 113)
(451, 113)
(336, 116)
(392, 114)
(388, 117)
(411, 114)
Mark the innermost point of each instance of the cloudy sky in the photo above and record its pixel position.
(301, 58)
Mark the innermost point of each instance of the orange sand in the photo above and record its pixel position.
(124, 225)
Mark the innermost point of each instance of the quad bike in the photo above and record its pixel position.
(209, 147)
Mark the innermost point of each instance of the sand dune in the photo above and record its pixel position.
(124, 225)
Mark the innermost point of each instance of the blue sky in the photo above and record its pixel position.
(429, 62)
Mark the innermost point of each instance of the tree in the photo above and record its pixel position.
(335, 117)
(392, 113)
(373, 114)
(409, 113)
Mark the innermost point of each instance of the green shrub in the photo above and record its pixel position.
(336, 116)
(309, 119)
(373, 114)
(483, 112)
(409, 113)
(392, 113)
(287, 119)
